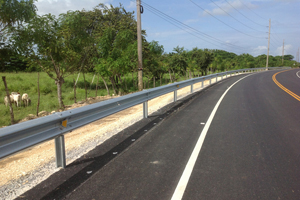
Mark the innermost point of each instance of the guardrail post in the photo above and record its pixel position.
(202, 83)
(192, 88)
(145, 109)
(222, 76)
(209, 81)
(60, 151)
(175, 95)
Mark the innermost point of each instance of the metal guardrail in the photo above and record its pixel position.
(18, 137)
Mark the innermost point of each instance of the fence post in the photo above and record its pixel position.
(12, 120)
(145, 109)
(60, 151)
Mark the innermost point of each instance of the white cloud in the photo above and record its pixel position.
(288, 49)
(259, 50)
(222, 8)
(57, 7)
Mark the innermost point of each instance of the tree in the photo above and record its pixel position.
(152, 53)
(13, 13)
(53, 46)
(202, 58)
(178, 63)
(288, 57)
(115, 43)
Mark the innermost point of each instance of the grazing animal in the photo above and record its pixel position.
(6, 102)
(16, 98)
(28, 101)
(25, 99)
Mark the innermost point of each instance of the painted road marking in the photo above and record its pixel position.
(181, 186)
(298, 74)
(283, 88)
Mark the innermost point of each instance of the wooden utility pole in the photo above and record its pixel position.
(267, 65)
(12, 120)
(38, 90)
(139, 38)
(282, 52)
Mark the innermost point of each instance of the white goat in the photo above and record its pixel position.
(25, 99)
(16, 98)
(6, 102)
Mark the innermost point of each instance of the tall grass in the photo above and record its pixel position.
(27, 83)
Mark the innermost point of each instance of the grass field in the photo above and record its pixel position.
(27, 83)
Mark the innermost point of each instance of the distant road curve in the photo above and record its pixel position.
(284, 88)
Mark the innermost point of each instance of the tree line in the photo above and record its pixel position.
(102, 41)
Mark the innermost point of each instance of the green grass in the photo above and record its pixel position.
(27, 83)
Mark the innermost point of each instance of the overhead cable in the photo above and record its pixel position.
(224, 22)
(186, 27)
(252, 10)
(245, 15)
(178, 26)
(235, 18)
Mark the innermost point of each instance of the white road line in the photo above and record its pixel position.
(298, 74)
(181, 186)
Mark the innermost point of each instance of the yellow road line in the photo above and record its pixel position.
(283, 88)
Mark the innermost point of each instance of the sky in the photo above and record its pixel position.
(238, 26)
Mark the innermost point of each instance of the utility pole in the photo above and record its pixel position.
(282, 52)
(139, 38)
(268, 45)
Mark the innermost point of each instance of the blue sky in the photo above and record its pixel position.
(238, 26)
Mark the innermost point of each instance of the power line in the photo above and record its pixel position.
(272, 45)
(234, 17)
(252, 10)
(157, 14)
(245, 15)
(180, 25)
(275, 40)
(274, 34)
(224, 22)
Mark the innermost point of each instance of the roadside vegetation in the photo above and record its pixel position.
(24, 82)
(99, 44)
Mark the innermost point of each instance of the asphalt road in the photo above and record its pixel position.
(251, 149)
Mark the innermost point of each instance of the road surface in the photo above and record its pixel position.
(237, 139)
